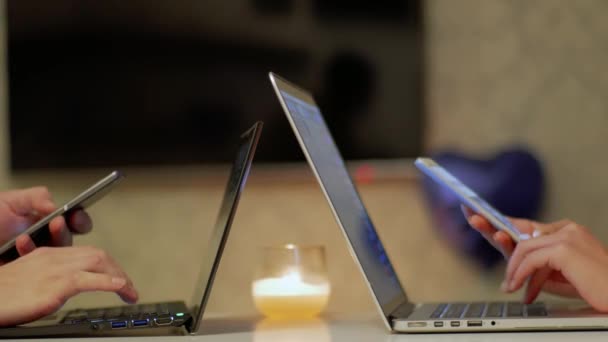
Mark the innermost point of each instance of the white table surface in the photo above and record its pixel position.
(339, 328)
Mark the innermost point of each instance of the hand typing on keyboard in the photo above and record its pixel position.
(562, 258)
(39, 283)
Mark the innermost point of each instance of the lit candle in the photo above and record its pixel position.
(289, 296)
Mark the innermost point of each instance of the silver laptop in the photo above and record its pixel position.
(398, 312)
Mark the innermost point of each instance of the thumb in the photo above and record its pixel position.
(552, 227)
(32, 201)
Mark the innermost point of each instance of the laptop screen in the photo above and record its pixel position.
(219, 235)
(328, 165)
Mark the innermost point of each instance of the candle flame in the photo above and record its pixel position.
(291, 284)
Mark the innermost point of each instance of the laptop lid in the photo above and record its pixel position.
(348, 209)
(219, 236)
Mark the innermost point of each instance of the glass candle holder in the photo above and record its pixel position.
(291, 282)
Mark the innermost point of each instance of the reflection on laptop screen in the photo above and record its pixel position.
(347, 204)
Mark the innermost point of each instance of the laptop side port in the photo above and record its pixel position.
(119, 324)
(455, 323)
(438, 324)
(160, 321)
(474, 323)
(138, 323)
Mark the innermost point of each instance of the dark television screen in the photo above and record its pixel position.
(134, 82)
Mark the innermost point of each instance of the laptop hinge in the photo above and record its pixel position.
(403, 311)
(189, 323)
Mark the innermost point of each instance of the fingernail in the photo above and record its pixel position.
(134, 296)
(503, 286)
(512, 286)
(49, 204)
(119, 281)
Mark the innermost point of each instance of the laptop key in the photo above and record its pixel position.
(95, 313)
(149, 309)
(131, 310)
(438, 311)
(494, 310)
(76, 314)
(455, 310)
(515, 309)
(113, 312)
(536, 310)
(475, 310)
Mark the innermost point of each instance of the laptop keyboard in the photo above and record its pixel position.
(147, 312)
(489, 310)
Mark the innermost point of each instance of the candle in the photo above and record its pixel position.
(289, 296)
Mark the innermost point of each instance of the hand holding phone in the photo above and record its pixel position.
(40, 233)
(469, 198)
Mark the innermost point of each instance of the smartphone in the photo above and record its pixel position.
(39, 231)
(469, 198)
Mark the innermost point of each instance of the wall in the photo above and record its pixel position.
(532, 73)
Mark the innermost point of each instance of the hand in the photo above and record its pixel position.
(564, 259)
(21, 208)
(501, 240)
(39, 283)
(570, 261)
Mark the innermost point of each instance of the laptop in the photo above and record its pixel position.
(157, 318)
(397, 311)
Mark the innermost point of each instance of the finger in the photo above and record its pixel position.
(88, 259)
(482, 225)
(504, 241)
(545, 257)
(24, 245)
(466, 211)
(37, 199)
(89, 281)
(60, 235)
(80, 222)
(524, 226)
(571, 234)
(100, 262)
(526, 247)
(536, 283)
(43, 207)
(561, 289)
(550, 228)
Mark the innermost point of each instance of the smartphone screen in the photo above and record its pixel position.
(468, 197)
(39, 231)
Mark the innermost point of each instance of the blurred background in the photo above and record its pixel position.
(163, 89)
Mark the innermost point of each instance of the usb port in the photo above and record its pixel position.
(119, 325)
(139, 323)
(474, 323)
(438, 324)
(455, 323)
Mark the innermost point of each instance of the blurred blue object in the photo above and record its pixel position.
(512, 182)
